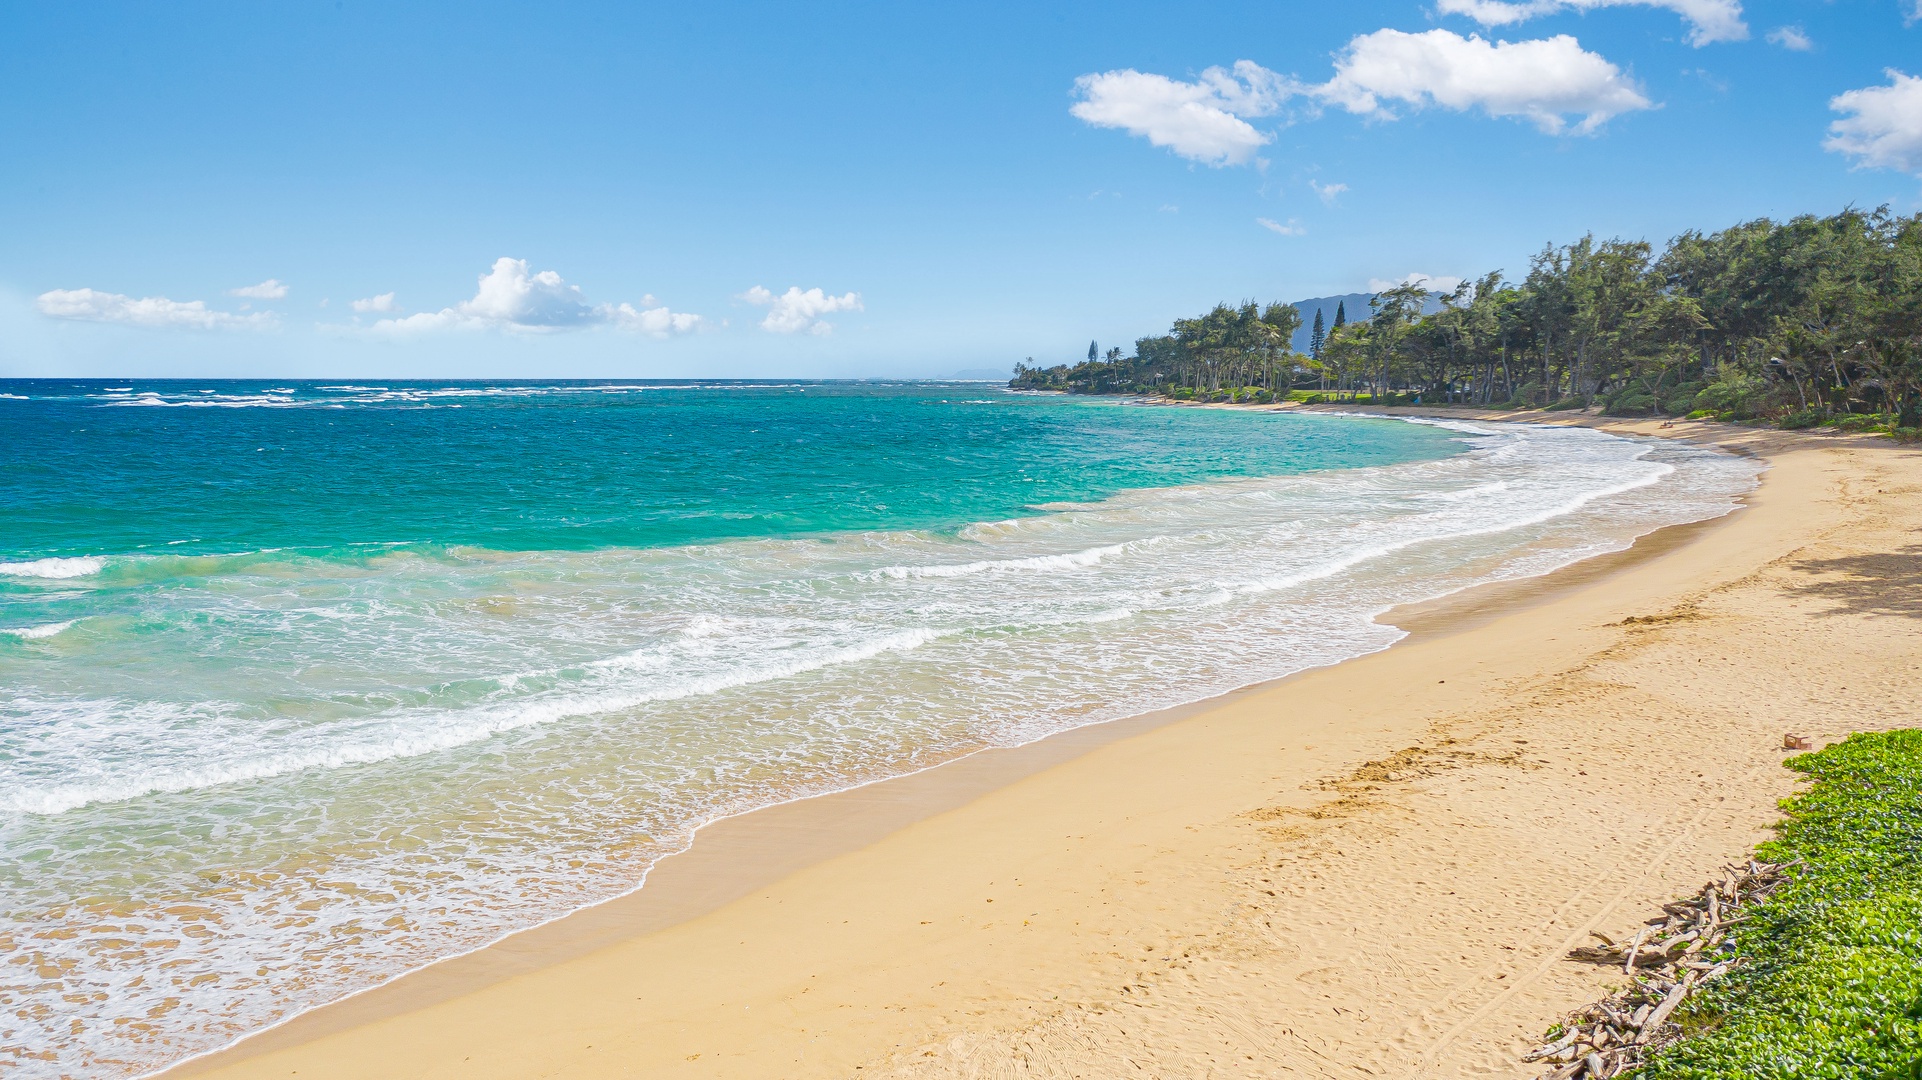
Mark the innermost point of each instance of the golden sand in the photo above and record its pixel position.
(1373, 869)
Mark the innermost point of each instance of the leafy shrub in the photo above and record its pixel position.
(1864, 422)
(1733, 390)
(1805, 418)
(1831, 984)
(1629, 403)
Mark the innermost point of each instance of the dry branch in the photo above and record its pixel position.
(1671, 956)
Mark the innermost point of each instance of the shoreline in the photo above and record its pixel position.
(743, 859)
(729, 857)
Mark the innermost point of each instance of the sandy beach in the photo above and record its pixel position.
(1370, 869)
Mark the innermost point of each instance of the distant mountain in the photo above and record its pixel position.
(1358, 310)
(983, 374)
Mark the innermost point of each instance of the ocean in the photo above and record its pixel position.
(306, 685)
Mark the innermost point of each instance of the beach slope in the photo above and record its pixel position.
(1371, 869)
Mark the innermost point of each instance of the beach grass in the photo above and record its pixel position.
(1832, 984)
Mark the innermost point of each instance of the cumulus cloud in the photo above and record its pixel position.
(657, 320)
(1882, 125)
(1541, 81)
(1709, 21)
(1790, 37)
(1205, 120)
(794, 311)
(511, 297)
(1293, 228)
(1546, 82)
(92, 305)
(1441, 283)
(382, 303)
(270, 289)
(1327, 192)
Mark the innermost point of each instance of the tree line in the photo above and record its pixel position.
(1808, 321)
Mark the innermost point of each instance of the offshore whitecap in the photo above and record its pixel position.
(238, 783)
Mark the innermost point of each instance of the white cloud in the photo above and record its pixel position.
(1709, 21)
(1442, 283)
(794, 311)
(1539, 80)
(92, 305)
(1791, 37)
(1546, 81)
(383, 303)
(1327, 192)
(270, 289)
(1203, 121)
(510, 297)
(1293, 228)
(1884, 129)
(657, 321)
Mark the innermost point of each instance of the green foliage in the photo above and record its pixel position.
(1808, 321)
(1233, 353)
(1732, 390)
(1629, 402)
(1831, 981)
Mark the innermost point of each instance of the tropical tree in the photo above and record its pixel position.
(1810, 320)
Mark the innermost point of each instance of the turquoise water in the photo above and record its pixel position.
(305, 686)
(577, 466)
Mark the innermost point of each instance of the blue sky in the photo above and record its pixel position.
(850, 190)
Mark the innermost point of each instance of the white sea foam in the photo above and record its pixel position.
(35, 633)
(1064, 561)
(399, 755)
(72, 567)
(337, 395)
(1367, 554)
(189, 763)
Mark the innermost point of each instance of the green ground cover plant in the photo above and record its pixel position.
(1831, 980)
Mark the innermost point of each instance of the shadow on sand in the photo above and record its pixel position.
(1884, 584)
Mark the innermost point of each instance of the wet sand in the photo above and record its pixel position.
(1367, 869)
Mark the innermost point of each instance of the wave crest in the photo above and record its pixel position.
(72, 567)
(34, 633)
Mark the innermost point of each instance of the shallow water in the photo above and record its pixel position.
(302, 686)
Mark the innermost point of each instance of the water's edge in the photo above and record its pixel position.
(730, 856)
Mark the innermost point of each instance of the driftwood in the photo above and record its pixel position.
(1671, 956)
